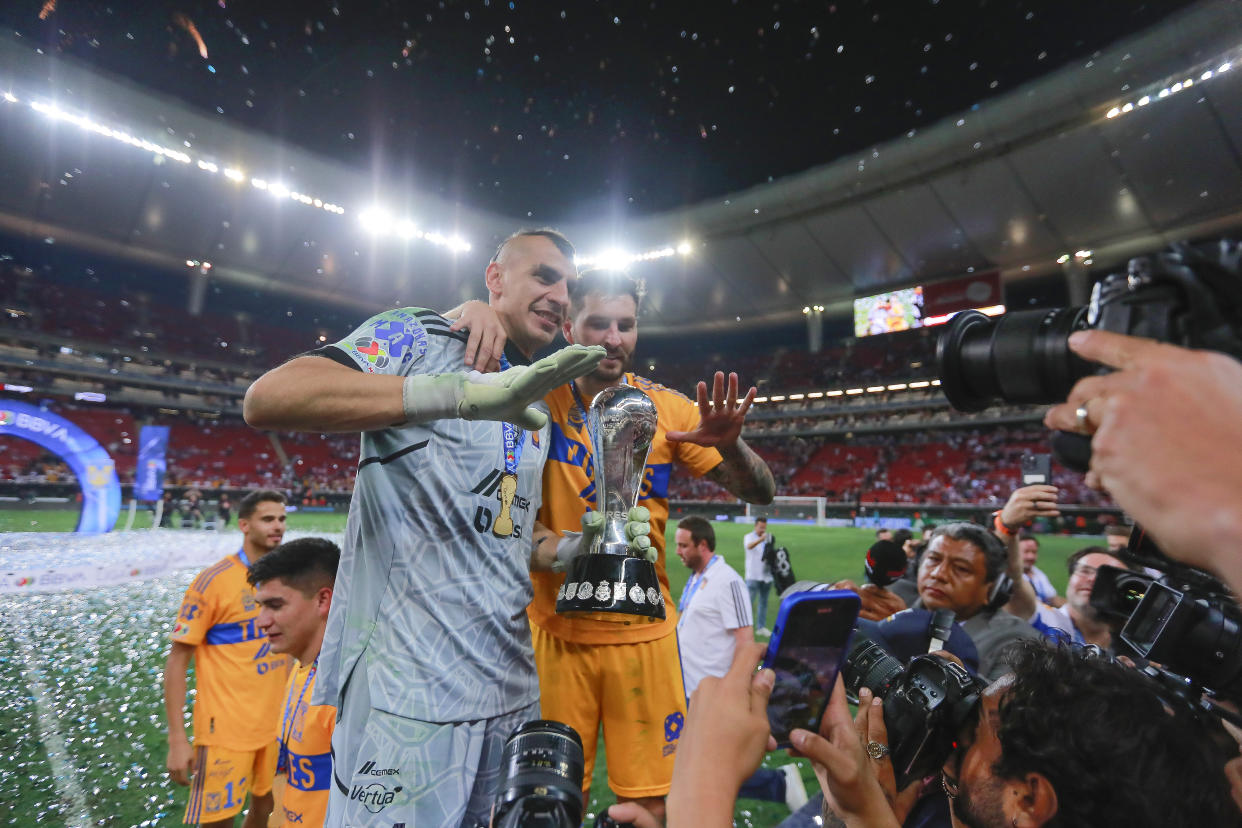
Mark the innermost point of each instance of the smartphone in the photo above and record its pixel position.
(1036, 468)
(810, 638)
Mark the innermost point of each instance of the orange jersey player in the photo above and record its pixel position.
(614, 670)
(294, 587)
(239, 679)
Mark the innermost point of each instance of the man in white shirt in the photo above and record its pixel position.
(758, 576)
(1028, 547)
(714, 619)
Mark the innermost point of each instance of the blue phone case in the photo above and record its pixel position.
(837, 635)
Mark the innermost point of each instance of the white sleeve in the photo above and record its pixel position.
(733, 602)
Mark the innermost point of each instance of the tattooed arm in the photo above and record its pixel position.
(742, 471)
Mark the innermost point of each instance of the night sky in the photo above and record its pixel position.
(555, 109)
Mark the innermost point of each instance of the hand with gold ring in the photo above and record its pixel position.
(848, 776)
(873, 733)
(1165, 442)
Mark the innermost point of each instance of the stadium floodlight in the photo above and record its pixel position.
(17, 389)
(1224, 67)
(375, 221)
(258, 183)
(834, 393)
(874, 389)
(1145, 100)
(920, 384)
(797, 396)
(815, 395)
(10, 97)
(208, 166)
(899, 386)
(279, 190)
(90, 396)
(761, 399)
(407, 230)
(234, 175)
(853, 391)
(777, 398)
(1113, 113)
(935, 382)
(684, 248)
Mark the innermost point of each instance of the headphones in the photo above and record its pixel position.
(1000, 592)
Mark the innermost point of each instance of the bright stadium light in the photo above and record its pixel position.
(874, 389)
(920, 384)
(684, 248)
(853, 391)
(834, 393)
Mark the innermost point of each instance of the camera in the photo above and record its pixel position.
(1185, 620)
(541, 786)
(927, 703)
(1189, 295)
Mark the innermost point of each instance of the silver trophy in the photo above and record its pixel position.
(609, 577)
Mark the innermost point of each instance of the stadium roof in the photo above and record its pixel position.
(1042, 170)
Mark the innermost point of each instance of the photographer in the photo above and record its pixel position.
(1023, 506)
(1164, 442)
(963, 570)
(1067, 739)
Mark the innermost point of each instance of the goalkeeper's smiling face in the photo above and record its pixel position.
(528, 286)
(610, 321)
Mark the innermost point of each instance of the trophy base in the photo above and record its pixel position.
(611, 583)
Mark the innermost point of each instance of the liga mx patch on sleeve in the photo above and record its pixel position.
(387, 342)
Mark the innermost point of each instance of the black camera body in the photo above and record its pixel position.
(542, 763)
(1189, 295)
(927, 703)
(1185, 620)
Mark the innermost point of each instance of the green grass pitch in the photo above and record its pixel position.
(86, 667)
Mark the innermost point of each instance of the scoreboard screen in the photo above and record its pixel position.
(895, 310)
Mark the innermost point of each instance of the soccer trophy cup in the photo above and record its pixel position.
(609, 577)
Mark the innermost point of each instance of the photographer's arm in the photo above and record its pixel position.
(1165, 443)
(1023, 506)
(849, 778)
(724, 740)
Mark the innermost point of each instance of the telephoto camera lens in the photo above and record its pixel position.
(870, 666)
(542, 784)
(1023, 357)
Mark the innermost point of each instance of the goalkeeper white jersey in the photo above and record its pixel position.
(426, 590)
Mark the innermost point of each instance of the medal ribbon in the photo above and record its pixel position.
(514, 436)
(693, 585)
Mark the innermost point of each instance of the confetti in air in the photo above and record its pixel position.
(48, 8)
(188, 24)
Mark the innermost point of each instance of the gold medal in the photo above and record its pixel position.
(503, 527)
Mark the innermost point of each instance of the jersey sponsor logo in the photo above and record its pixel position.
(374, 796)
(292, 817)
(181, 629)
(368, 769)
(489, 486)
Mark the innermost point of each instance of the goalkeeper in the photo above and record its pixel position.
(615, 672)
(427, 652)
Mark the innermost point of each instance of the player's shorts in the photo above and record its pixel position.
(223, 777)
(389, 770)
(634, 690)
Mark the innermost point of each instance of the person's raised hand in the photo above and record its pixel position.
(510, 394)
(487, 337)
(720, 420)
(1164, 441)
(1028, 503)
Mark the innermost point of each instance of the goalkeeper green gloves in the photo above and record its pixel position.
(637, 532)
(507, 395)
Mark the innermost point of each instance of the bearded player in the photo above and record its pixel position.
(613, 669)
(239, 680)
